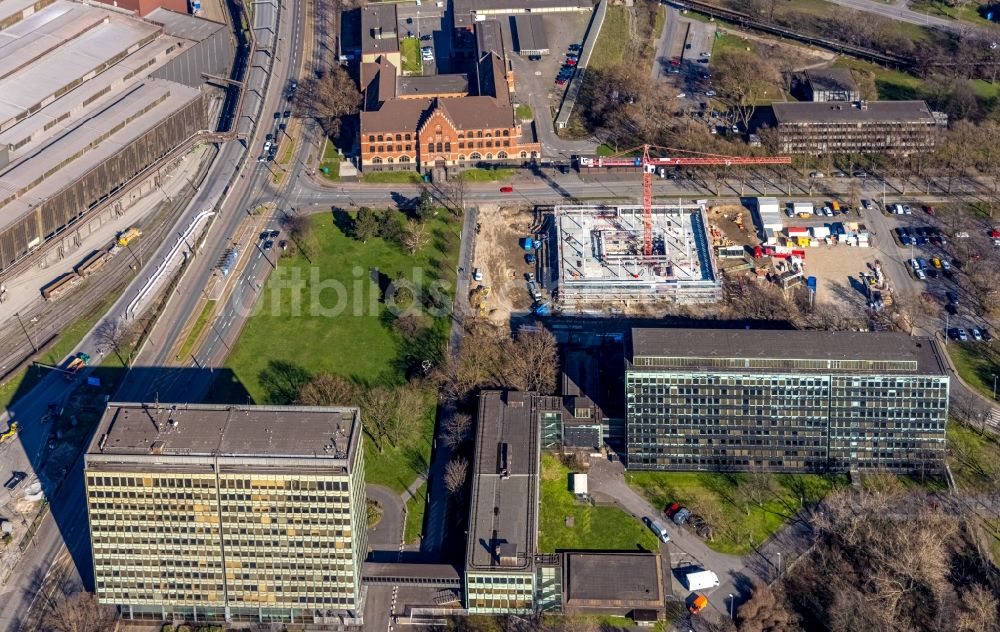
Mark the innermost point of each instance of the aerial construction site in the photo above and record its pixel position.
(602, 256)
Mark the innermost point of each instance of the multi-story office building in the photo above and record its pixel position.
(253, 513)
(503, 518)
(876, 127)
(784, 401)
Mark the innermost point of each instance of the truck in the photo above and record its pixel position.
(699, 603)
(803, 209)
(657, 528)
(126, 236)
(700, 580)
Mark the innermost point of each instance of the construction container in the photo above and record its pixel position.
(820, 232)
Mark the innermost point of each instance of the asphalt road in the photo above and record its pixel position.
(900, 11)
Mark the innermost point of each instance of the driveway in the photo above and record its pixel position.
(606, 480)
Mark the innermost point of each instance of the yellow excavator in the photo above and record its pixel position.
(9, 433)
(477, 298)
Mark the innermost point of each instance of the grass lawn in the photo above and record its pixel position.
(336, 323)
(392, 177)
(593, 527)
(409, 50)
(892, 85)
(942, 10)
(738, 524)
(610, 47)
(729, 42)
(524, 112)
(974, 458)
(487, 175)
(199, 326)
(330, 165)
(977, 363)
(415, 515)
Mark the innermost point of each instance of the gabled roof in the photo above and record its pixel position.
(491, 77)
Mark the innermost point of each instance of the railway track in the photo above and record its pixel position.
(45, 320)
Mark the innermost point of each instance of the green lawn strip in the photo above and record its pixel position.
(891, 84)
(199, 326)
(738, 525)
(415, 515)
(487, 175)
(974, 458)
(392, 177)
(409, 49)
(330, 165)
(977, 363)
(593, 527)
(728, 42)
(524, 112)
(347, 333)
(610, 47)
(942, 10)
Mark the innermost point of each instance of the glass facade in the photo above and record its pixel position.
(236, 543)
(793, 422)
(499, 592)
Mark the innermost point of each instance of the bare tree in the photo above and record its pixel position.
(531, 362)
(455, 474)
(115, 334)
(978, 611)
(415, 237)
(743, 79)
(324, 389)
(457, 429)
(767, 611)
(328, 97)
(378, 408)
(79, 612)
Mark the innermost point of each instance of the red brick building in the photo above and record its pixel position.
(419, 123)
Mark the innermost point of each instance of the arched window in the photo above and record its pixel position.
(489, 156)
(489, 134)
(407, 137)
(371, 138)
(534, 154)
(475, 156)
(502, 155)
(380, 138)
(524, 154)
(461, 157)
(506, 132)
(489, 143)
(430, 147)
(447, 146)
(404, 159)
(479, 144)
(371, 149)
(479, 134)
(376, 160)
(389, 160)
(461, 135)
(440, 147)
(437, 129)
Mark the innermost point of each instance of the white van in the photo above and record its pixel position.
(701, 580)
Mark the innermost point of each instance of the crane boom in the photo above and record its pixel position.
(648, 164)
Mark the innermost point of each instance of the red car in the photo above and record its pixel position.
(671, 509)
(506, 189)
(929, 210)
(675, 61)
(560, 82)
(570, 62)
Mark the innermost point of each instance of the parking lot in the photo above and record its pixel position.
(426, 23)
(561, 30)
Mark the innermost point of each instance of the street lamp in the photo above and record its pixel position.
(779, 563)
(994, 386)
(732, 600)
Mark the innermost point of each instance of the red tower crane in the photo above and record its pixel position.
(650, 163)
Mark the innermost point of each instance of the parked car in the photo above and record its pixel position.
(860, 174)
(534, 58)
(976, 334)
(987, 336)
(477, 274)
(15, 480)
(671, 509)
(682, 515)
(657, 528)
(710, 93)
(962, 335)
(817, 174)
(953, 333)
(507, 189)
(920, 274)
(929, 209)
(951, 308)
(705, 55)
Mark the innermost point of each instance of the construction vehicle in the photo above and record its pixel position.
(127, 236)
(699, 603)
(649, 165)
(477, 298)
(9, 433)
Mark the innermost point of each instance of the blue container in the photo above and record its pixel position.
(811, 283)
